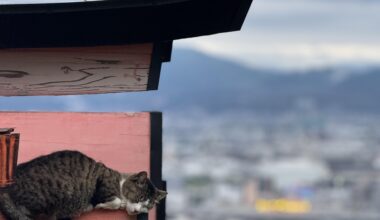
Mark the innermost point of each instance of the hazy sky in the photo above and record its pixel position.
(296, 34)
(301, 34)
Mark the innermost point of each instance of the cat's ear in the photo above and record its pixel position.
(140, 177)
(160, 195)
(143, 177)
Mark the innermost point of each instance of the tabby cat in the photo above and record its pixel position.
(65, 184)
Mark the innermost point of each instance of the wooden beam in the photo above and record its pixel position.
(9, 144)
(81, 70)
(116, 22)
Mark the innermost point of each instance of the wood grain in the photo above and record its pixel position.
(69, 71)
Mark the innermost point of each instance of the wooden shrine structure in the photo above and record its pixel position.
(94, 48)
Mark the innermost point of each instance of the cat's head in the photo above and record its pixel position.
(140, 193)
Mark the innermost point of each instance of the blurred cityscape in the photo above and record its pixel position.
(263, 144)
(297, 165)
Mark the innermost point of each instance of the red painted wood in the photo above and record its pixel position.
(8, 157)
(107, 215)
(120, 140)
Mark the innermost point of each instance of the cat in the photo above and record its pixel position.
(65, 184)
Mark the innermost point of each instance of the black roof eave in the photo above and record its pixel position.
(117, 22)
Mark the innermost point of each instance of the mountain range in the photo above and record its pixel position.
(193, 80)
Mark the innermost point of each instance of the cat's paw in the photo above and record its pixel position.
(115, 204)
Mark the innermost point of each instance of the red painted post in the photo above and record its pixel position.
(9, 144)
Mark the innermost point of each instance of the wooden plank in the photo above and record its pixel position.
(3, 160)
(111, 215)
(100, 215)
(69, 71)
(120, 140)
(8, 158)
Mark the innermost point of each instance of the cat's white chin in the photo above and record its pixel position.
(137, 208)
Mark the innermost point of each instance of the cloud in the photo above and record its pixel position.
(291, 55)
(294, 34)
(300, 34)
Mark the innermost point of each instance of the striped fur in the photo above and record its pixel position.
(66, 184)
